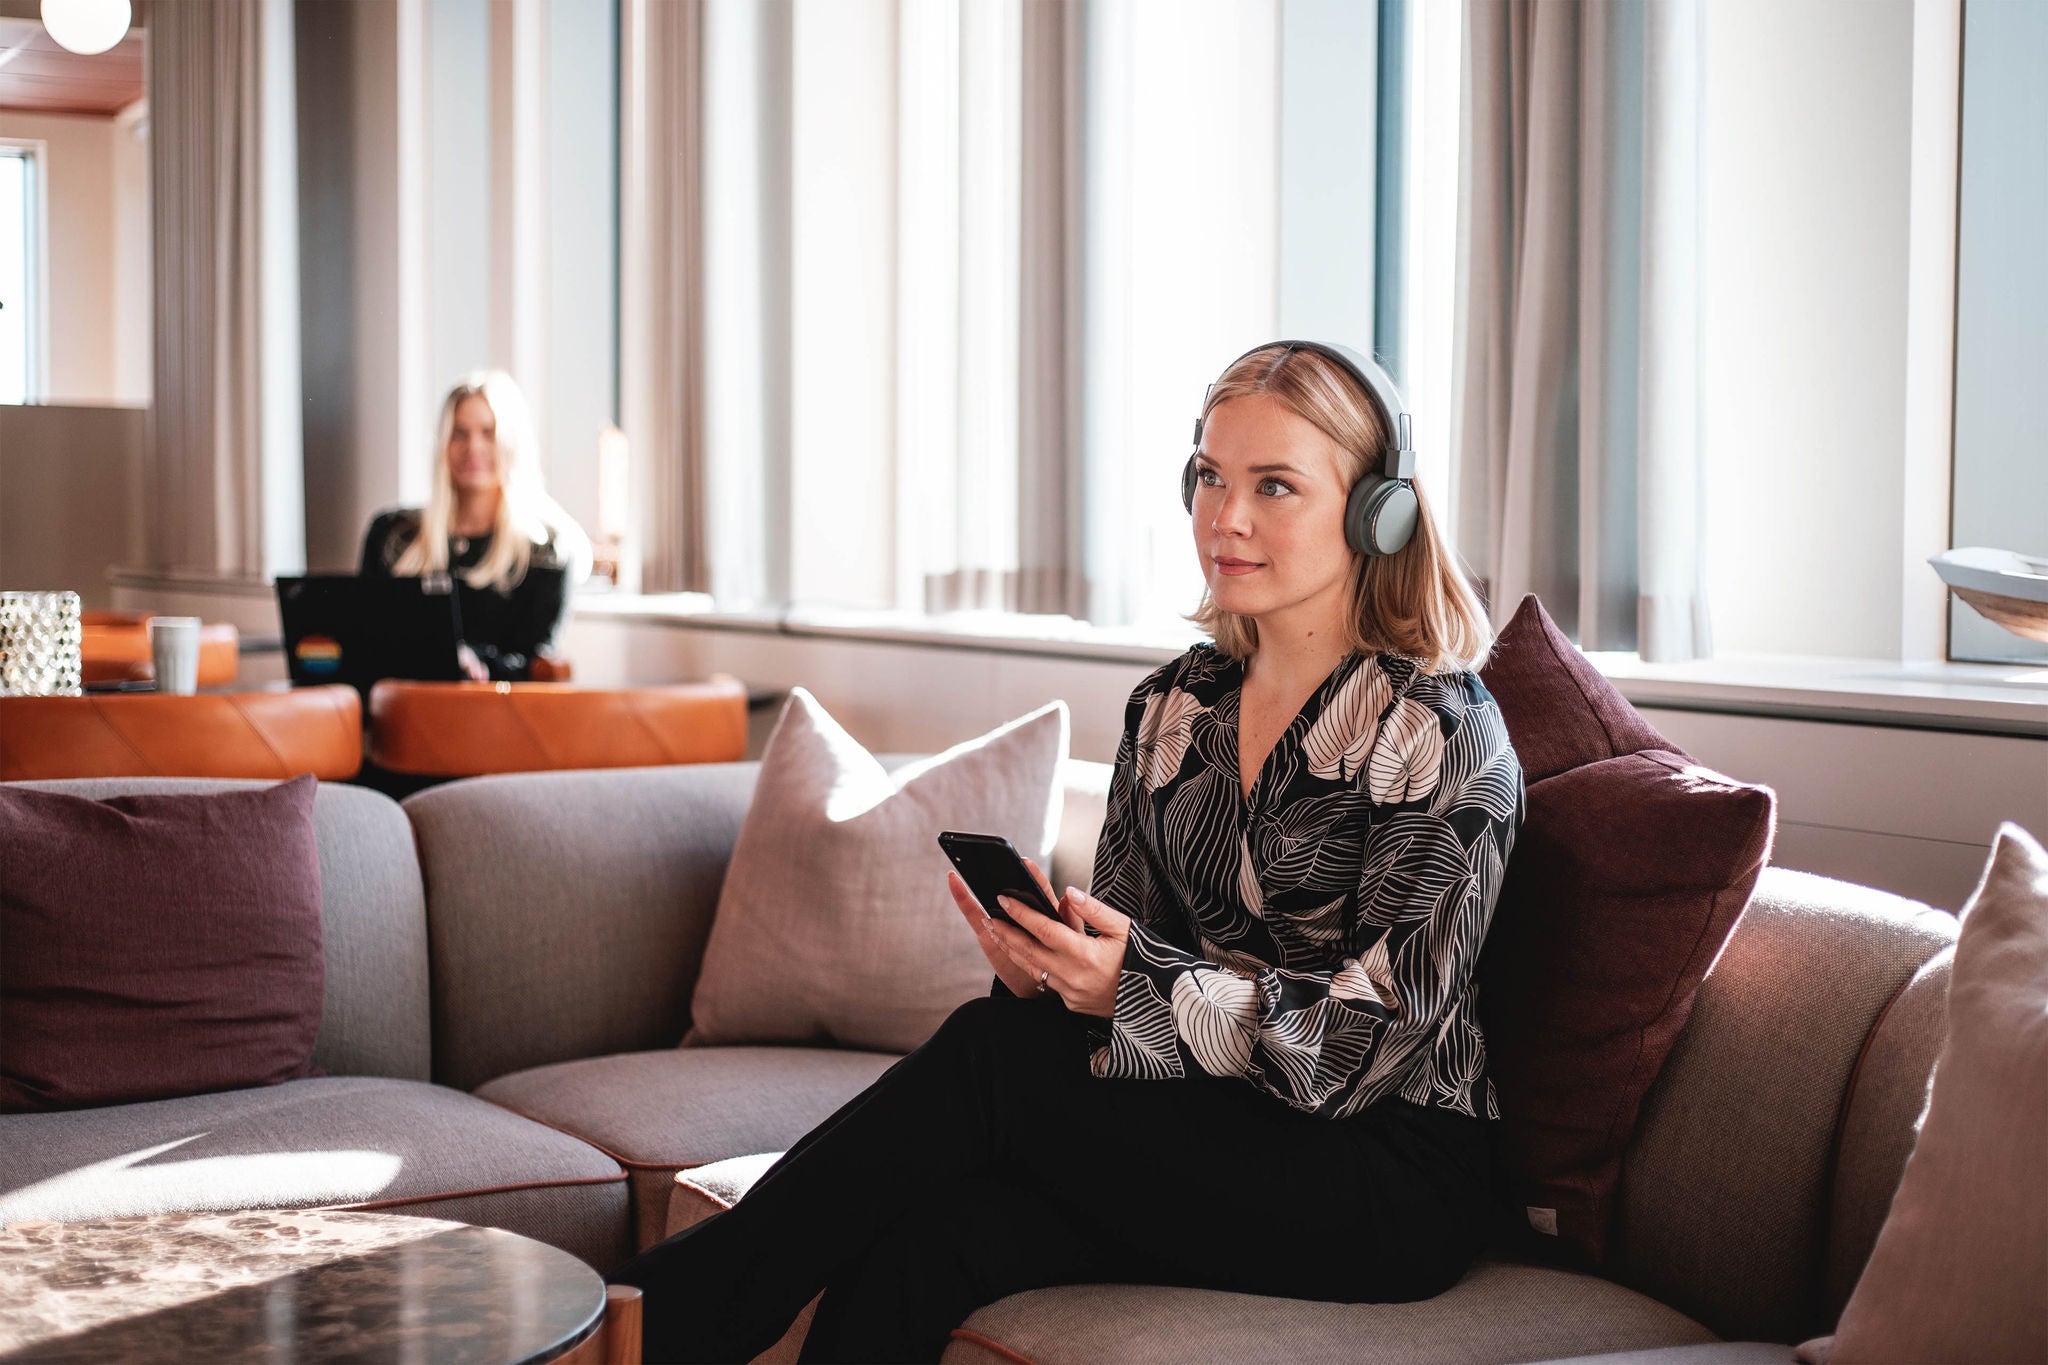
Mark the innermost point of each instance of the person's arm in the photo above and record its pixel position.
(538, 604)
(1331, 1042)
(378, 553)
(1123, 875)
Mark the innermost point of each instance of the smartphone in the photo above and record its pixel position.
(992, 868)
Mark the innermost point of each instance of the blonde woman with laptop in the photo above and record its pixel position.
(513, 552)
(1247, 1058)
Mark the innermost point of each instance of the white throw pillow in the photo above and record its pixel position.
(834, 924)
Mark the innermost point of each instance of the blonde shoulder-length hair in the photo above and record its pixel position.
(527, 516)
(1415, 602)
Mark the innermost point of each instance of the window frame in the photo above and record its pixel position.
(36, 153)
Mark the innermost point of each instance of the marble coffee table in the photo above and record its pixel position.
(288, 1289)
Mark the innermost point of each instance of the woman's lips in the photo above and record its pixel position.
(1236, 566)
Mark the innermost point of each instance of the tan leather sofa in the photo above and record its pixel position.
(510, 961)
(273, 734)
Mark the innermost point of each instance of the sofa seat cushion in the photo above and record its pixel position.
(1499, 1313)
(661, 1112)
(353, 1142)
(1712, 1353)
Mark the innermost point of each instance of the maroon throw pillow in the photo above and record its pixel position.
(1630, 870)
(156, 945)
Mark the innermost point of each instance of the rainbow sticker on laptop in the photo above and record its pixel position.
(320, 654)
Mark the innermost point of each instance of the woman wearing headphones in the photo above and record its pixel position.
(514, 552)
(1248, 1057)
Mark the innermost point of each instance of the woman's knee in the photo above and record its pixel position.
(1000, 1021)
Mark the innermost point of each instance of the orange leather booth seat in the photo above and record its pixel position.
(210, 734)
(440, 729)
(115, 648)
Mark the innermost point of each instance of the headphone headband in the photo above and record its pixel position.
(1398, 461)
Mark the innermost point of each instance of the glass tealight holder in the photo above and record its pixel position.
(40, 638)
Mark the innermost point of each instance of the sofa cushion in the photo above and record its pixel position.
(570, 909)
(835, 923)
(336, 1141)
(1724, 1188)
(659, 1112)
(156, 945)
(1712, 1353)
(1960, 1266)
(373, 921)
(1497, 1313)
(1880, 1120)
(1630, 870)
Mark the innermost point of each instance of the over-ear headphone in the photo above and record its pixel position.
(1380, 513)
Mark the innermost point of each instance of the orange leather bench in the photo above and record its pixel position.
(115, 648)
(211, 734)
(438, 729)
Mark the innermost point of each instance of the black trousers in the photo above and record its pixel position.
(991, 1161)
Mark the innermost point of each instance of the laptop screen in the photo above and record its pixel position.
(340, 628)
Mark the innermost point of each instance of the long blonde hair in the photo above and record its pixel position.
(527, 516)
(1416, 601)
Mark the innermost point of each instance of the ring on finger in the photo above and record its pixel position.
(1042, 985)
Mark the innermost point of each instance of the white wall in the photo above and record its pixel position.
(93, 210)
(133, 322)
(1807, 161)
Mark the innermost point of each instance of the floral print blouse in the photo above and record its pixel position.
(1318, 937)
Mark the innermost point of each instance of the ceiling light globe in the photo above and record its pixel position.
(86, 26)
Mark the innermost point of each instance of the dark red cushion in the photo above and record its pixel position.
(156, 945)
(1630, 870)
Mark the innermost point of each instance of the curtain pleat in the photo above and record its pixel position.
(222, 359)
(1579, 469)
(660, 286)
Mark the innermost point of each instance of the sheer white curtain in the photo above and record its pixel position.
(1579, 463)
(224, 471)
(966, 268)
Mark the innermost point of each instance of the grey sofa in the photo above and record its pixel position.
(509, 965)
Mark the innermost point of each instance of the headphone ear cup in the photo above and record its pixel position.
(1380, 515)
(1187, 484)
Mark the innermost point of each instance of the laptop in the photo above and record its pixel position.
(342, 629)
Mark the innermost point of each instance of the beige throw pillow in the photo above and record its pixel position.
(1960, 1269)
(835, 924)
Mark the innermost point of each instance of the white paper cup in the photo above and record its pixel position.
(174, 645)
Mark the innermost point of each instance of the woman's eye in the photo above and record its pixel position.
(1207, 477)
(1274, 488)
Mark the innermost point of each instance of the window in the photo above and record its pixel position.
(2001, 473)
(968, 267)
(20, 273)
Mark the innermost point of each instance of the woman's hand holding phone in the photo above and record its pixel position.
(1084, 970)
(1012, 973)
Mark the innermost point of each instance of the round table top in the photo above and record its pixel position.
(290, 1289)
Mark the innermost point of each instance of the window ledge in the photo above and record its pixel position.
(2003, 699)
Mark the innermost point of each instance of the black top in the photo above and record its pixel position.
(1316, 938)
(505, 628)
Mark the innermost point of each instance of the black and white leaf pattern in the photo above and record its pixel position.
(1318, 938)
(1215, 1013)
(1336, 745)
(1405, 761)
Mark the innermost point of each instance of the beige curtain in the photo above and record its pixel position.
(1014, 540)
(224, 468)
(1578, 459)
(661, 305)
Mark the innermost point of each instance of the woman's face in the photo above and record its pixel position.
(1269, 512)
(473, 447)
